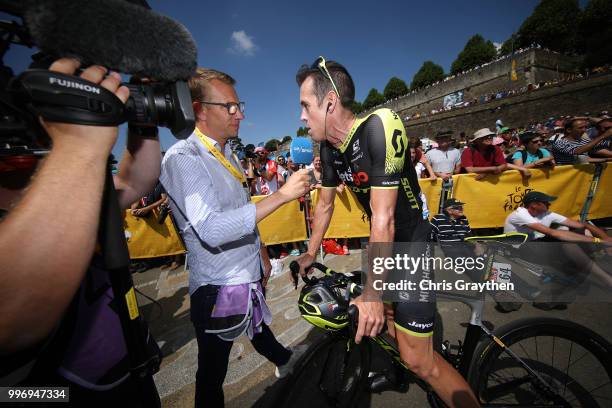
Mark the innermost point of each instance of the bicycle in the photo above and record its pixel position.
(509, 367)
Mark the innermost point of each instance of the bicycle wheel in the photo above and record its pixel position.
(329, 375)
(575, 363)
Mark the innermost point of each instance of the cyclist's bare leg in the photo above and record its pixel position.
(419, 356)
(390, 320)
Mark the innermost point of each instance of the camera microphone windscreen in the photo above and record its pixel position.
(117, 34)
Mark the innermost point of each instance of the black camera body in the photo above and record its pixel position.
(71, 99)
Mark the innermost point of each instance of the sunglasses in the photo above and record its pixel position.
(232, 107)
(320, 64)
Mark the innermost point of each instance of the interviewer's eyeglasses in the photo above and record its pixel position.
(320, 63)
(232, 107)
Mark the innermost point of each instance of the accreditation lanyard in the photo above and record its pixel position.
(238, 175)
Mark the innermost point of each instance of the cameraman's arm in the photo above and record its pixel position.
(47, 240)
(139, 168)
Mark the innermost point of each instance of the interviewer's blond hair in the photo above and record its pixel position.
(199, 83)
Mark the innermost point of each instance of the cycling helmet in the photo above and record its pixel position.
(324, 305)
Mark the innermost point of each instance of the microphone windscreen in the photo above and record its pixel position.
(301, 150)
(119, 35)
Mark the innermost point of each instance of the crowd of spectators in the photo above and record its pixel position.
(564, 140)
(501, 94)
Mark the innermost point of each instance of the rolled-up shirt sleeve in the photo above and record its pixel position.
(198, 201)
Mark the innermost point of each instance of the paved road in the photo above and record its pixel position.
(250, 376)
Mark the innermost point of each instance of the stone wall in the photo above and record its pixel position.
(569, 98)
(532, 66)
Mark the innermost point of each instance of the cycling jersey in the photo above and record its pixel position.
(372, 156)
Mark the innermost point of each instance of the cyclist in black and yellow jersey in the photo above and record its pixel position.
(368, 155)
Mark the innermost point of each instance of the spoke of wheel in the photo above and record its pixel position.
(590, 392)
(552, 357)
(569, 358)
(586, 353)
(524, 351)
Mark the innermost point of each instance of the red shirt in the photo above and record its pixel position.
(472, 157)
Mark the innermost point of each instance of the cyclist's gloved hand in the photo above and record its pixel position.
(371, 318)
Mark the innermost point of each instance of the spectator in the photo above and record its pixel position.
(481, 156)
(567, 148)
(450, 226)
(532, 155)
(421, 164)
(266, 171)
(534, 219)
(507, 142)
(316, 169)
(281, 169)
(144, 206)
(603, 149)
(445, 159)
(291, 166)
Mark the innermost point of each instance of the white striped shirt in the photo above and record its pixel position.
(223, 244)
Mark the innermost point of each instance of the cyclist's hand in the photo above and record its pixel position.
(305, 260)
(371, 318)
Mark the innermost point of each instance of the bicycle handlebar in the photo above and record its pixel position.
(353, 288)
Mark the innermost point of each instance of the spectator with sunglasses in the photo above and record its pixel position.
(532, 155)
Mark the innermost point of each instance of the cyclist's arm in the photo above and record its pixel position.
(382, 202)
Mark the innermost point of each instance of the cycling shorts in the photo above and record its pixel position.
(415, 314)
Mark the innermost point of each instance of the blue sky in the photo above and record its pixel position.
(263, 43)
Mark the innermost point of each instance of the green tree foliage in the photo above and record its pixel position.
(271, 145)
(374, 98)
(476, 51)
(357, 107)
(395, 87)
(595, 33)
(509, 45)
(302, 131)
(429, 73)
(553, 24)
(286, 139)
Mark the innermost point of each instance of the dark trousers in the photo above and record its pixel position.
(213, 353)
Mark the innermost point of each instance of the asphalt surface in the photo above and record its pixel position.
(250, 378)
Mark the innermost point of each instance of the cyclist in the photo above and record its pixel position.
(368, 155)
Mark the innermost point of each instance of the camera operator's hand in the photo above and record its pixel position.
(58, 217)
(97, 140)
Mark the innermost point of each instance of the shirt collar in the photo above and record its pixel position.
(193, 138)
